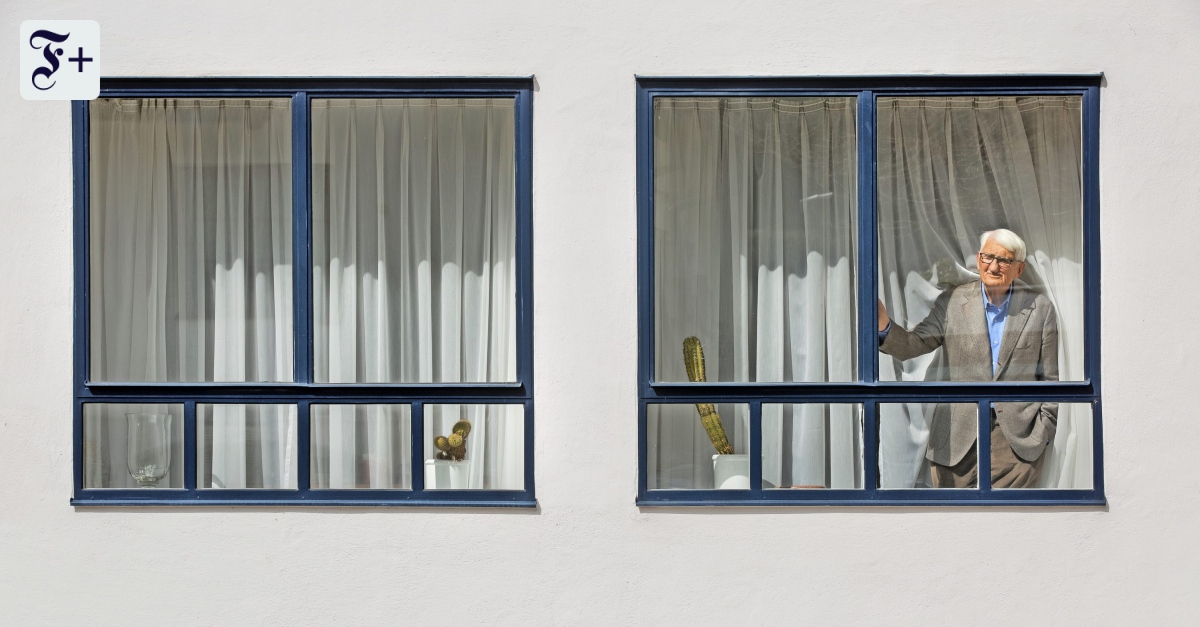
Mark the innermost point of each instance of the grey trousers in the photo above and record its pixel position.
(1008, 470)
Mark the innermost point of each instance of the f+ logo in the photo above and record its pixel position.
(47, 39)
(60, 59)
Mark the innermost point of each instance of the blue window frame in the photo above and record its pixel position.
(304, 391)
(865, 387)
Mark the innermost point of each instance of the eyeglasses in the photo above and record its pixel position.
(1004, 262)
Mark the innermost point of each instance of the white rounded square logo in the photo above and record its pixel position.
(60, 60)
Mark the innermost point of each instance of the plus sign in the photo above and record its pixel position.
(80, 59)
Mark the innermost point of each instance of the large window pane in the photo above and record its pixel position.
(246, 446)
(754, 237)
(950, 170)
(414, 240)
(191, 240)
(132, 445)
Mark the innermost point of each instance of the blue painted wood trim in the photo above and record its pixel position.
(868, 334)
(893, 498)
(287, 498)
(1092, 272)
(756, 447)
(643, 457)
(296, 396)
(258, 86)
(80, 146)
(189, 446)
(303, 445)
(302, 321)
(530, 476)
(523, 145)
(645, 238)
(1097, 448)
(896, 83)
(308, 390)
(890, 389)
(644, 139)
(1091, 233)
(416, 418)
(983, 444)
(870, 422)
(81, 181)
(77, 447)
(921, 496)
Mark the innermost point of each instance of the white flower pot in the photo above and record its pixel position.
(731, 472)
(444, 474)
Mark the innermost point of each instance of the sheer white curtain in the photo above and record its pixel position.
(754, 211)
(191, 240)
(191, 275)
(413, 273)
(950, 169)
(413, 277)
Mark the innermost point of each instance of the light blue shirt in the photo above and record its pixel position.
(997, 316)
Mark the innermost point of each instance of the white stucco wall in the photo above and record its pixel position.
(589, 555)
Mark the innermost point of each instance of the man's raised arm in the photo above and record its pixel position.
(903, 344)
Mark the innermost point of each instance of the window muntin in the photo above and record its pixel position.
(268, 439)
(1068, 140)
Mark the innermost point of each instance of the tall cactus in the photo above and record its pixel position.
(693, 360)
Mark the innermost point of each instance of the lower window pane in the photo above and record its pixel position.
(132, 445)
(698, 447)
(928, 445)
(1054, 451)
(361, 446)
(474, 447)
(812, 445)
(246, 446)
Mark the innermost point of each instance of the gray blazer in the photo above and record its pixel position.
(1028, 352)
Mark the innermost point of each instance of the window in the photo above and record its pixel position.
(304, 291)
(844, 282)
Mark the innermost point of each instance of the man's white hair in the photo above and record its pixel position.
(1007, 239)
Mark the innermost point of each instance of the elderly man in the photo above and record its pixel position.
(994, 329)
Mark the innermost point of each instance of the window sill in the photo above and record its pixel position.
(292, 498)
(854, 498)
